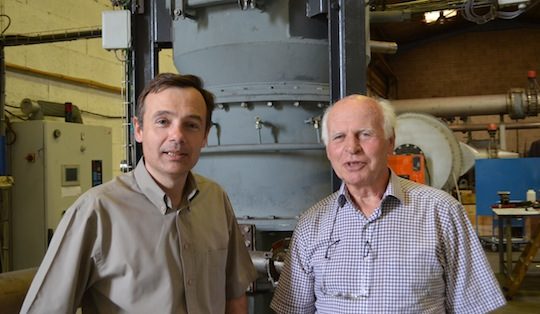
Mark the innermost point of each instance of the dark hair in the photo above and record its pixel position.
(167, 80)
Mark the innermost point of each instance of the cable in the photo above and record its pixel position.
(102, 115)
(8, 25)
(118, 58)
(15, 115)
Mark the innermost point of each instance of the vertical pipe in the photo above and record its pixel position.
(2, 115)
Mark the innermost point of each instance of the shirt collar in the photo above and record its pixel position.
(393, 189)
(155, 194)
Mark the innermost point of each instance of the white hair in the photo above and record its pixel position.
(389, 118)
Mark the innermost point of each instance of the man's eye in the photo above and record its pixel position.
(194, 126)
(162, 122)
(366, 134)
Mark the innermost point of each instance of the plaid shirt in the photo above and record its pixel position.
(417, 253)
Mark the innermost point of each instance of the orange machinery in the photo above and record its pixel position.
(410, 166)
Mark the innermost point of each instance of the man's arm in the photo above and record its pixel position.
(60, 281)
(237, 305)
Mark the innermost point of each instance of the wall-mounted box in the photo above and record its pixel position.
(116, 29)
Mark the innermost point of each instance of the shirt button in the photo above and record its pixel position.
(190, 282)
(185, 246)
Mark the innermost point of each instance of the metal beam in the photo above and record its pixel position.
(347, 50)
(347, 44)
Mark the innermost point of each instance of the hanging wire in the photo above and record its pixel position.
(8, 25)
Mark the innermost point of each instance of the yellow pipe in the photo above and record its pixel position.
(64, 78)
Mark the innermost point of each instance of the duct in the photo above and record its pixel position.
(484, 127)
(514, 103)
(37, 109)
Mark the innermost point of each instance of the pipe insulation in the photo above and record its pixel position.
(514, 103)
(484, 127)
(37, 109)
(453, 106)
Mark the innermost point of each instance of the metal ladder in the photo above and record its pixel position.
(513, 282)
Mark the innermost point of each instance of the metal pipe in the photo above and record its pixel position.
(64, 78)
(3, 155)
(389, 16)
(207, 3)
(22, 40)
(483, 127)
(454, 106)
(261, 262)
(259, 148)
(383, 46)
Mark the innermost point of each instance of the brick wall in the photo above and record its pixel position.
(472, 63)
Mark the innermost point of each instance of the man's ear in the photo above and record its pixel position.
(392, 144)
(137, 130)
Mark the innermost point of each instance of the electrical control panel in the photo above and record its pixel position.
(52, 163)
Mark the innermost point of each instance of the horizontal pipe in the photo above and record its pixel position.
(484, 127)
(23, 40)
(383, 46)
(256, 148)
(64, 78)
(454, 106)
(389, 16)
(207, 3)
(13, 288)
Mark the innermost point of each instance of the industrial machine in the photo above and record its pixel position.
(446, 159)
(274, 66)
(52, 163)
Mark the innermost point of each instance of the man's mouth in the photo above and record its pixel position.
(175, 154)
(354, 164)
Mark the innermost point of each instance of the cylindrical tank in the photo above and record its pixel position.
(268, 68)
(257, 54)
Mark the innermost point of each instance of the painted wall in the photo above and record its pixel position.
(80, 59)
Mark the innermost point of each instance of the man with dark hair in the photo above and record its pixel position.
(159, 239)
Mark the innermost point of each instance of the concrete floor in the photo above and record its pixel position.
(527, 299)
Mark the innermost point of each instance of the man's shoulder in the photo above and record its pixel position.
(112, 188)
(319, 208)
(205, 183)
(421, 191)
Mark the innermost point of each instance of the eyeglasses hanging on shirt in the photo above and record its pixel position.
(341, 202)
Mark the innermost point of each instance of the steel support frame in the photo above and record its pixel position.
(151, 32)
(347, 52)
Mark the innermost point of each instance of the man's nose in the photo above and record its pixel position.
(176, 133)
(352, 145)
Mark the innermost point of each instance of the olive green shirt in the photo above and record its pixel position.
(121, 248)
